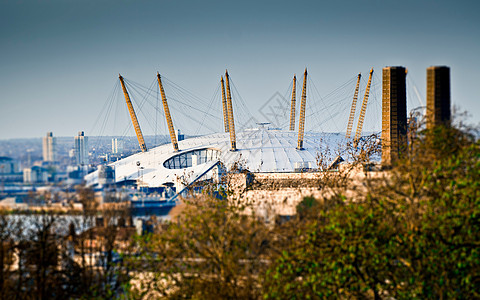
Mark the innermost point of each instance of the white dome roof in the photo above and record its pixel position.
(258, 150)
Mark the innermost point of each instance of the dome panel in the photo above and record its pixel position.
(258, 150)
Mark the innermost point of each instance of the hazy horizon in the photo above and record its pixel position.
(61, 59)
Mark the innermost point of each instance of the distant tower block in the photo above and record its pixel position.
(438, 96)
(394, 113)
(81, 149)
(117, 146)
(49, 147)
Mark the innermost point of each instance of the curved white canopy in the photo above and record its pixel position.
(258, 150)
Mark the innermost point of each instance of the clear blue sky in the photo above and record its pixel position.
(60, 58)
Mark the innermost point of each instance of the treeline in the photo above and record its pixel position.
(415, 233)
(410, 231)
(59, 256)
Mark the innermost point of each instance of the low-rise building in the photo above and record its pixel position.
(35, 174)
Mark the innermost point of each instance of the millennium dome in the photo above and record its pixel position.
(261, 149)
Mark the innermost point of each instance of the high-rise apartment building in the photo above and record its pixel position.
(394, 113)
(81, 149)
(117, 146)
(49, 147)
(438, 96)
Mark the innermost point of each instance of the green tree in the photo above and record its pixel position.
(211, 251)
(412, 233)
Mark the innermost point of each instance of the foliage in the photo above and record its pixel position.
(211, 251)
(415, 233)
(409, 231)
(43, 256)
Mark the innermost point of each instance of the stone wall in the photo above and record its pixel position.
(272, 194)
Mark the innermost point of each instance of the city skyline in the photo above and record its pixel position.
(60, 59)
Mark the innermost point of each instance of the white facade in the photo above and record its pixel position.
(81, 149)
(259, 150)
(117, 146)
(49, 147)
(35, 174)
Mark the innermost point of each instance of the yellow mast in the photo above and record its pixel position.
(361, 118)
(231, 123)
(173, 137)
(225, 109)
(138, 131)
(292, 109)
(354, 107)
(301, 125)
